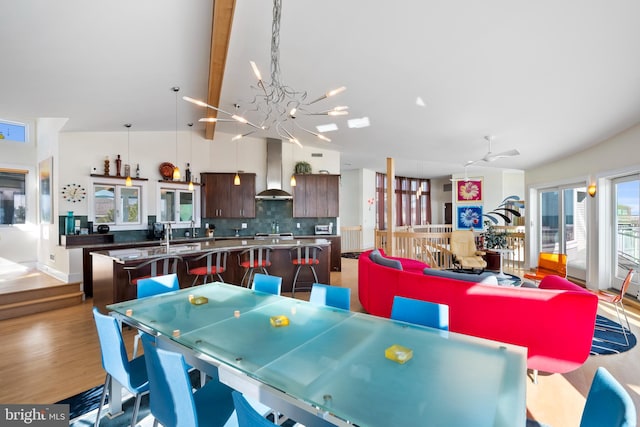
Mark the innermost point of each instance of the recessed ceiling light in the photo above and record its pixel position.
(420, 102)
(327, 128)
(362, 122)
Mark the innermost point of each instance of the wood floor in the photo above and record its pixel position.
(49, 356)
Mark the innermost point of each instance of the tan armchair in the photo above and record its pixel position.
(465, 253)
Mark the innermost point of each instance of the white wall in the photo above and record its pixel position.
(358, 186)
(438, 198)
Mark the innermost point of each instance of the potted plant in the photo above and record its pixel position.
(303, 168)
(493, 239)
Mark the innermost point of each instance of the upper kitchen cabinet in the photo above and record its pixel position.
(222, 199)
(316, 196)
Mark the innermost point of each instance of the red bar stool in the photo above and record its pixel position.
(301, 256)
(215, 264)
(160, 266)
(252, 259)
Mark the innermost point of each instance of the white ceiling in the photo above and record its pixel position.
(548, 78)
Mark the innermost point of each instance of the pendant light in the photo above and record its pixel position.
(176, 169)
(190, 155)
(236, 178)
(293, 181)
(127, 181)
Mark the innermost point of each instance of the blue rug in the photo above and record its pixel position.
(608, 338)
(83, 409)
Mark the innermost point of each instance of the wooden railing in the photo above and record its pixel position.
(351, 239)
(433, 247)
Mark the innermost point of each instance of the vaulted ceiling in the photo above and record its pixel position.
(547, 78)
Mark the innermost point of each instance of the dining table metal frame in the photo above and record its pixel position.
(326, 366)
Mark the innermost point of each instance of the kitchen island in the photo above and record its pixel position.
(111, 281)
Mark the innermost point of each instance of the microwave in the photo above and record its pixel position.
(323, 229)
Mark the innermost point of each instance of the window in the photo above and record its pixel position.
(13, 198)
(13, 131)
(413, 207)
(177, 205)
(116, 204)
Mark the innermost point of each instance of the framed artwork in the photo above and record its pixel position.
(45, 183)
(469, 217)
(469, 190)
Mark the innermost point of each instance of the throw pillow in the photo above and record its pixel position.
(387, 262)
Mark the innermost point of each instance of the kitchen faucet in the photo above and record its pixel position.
(167, 235)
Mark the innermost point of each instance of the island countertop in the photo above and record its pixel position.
(193, 248)
(111, 279)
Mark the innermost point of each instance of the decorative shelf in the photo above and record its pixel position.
(169, 181)
(96, 175)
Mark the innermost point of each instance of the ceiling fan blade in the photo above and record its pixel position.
(490, 157)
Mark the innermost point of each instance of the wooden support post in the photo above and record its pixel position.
(391, 219)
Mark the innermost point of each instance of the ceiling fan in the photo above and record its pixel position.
(491, 156)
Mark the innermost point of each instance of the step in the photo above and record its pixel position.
(39, 305)
(36, 293)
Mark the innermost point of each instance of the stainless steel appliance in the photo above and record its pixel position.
(323, 229)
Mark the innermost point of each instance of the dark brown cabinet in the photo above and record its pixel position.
(316, 196)
(222, 199)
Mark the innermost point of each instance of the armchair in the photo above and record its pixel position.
(464, 251)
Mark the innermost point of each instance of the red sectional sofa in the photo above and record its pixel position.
(554, 321)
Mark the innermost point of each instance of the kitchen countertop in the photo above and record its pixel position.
(177, 248)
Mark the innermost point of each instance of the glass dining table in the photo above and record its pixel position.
(322, 365)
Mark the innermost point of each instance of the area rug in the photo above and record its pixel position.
(609, 339)
(83, 409)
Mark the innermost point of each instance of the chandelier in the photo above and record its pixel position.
(274, 103)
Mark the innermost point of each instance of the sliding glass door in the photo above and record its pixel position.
(564, 226)
(626, 238)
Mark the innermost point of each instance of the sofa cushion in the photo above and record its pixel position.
(377, 257)
(484, 278)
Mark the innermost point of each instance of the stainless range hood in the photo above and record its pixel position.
(274, 189)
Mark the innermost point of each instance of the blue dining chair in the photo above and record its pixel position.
(267, 284)
(420, 312)
(171, 401)
(608, 403)
(152, 286)
(131, 374)
(247, 416)
(157, 285)
(332, 296)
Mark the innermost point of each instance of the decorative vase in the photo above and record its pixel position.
(70, 223)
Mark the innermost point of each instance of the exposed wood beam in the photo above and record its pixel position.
(220, 35)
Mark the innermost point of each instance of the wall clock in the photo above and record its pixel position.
(74, 193)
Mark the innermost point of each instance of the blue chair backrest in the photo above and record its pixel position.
(608, 403)
(333, 296)
(114, 354)
(420, 312)
(247, 416)
(157, 285)
(170, 397)
(267, 284)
